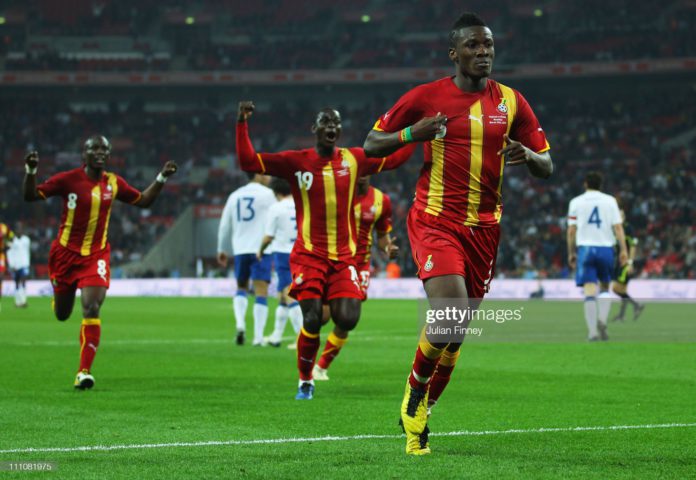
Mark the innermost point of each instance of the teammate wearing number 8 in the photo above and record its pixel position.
(594, 227)
(79, 256)
(323, 181)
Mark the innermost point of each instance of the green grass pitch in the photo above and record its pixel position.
(168, 372)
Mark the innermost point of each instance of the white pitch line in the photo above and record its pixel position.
(271, 441)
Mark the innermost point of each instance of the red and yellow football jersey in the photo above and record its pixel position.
(6, 236)
(323, 189)
(462, 177)
(87, 204)
(372, 210)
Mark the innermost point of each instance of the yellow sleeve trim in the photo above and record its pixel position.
(41, 194)
(377, 127)
(545, 149)
(263, 167)
(140, 195)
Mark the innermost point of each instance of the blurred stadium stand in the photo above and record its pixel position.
(613, 84)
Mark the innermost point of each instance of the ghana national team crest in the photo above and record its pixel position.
(502, 106)
(298, 279)
(428, 264)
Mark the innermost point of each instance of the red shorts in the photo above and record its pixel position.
(364, 272)
(69, 271)
(441, 247)
(318, 277)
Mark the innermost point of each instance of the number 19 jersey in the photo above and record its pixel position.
(595, 213)
(323, 189)
(244, 218)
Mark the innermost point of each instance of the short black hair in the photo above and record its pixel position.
(280, 186)
(467, 19)
(594, 180)
(250, 175)
(327, 111)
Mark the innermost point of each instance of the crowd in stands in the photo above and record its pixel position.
(624, 138)
(289, 34)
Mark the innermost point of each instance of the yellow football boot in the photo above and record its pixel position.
(414, 419)
(418, 444)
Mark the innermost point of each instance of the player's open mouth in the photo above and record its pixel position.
(331, 136)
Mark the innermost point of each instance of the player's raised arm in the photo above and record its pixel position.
(381, 144)
(149, 195)
(31, 164)
(278, 164)
(248, 159)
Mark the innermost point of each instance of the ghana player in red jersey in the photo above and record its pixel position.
(6, 236)
(454, 223)
(322, 261)
(373, 212)
(79, 256)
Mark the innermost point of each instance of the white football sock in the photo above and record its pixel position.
(591, 316)
(240, 307)
(281, 318)
(260, 318)
(295, 314)
(604, 306)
